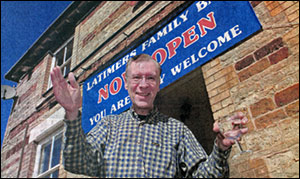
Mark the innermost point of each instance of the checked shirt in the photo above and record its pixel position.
(126, 146)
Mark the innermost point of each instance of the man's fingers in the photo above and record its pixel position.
(244, 130)
(58, 82)
(72, 80)
(58, 73)
(53, 78)
(237, 115)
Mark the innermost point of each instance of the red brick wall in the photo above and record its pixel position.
(30, 92)
(267, 68)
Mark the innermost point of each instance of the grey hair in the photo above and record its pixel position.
(141, 57)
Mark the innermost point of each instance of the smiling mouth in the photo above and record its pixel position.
(143, 94)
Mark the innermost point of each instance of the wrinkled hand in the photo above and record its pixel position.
(67, 95)
(225, 143)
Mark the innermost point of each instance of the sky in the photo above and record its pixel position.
(22, 23)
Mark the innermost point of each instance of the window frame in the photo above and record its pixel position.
(65, 63)
(38, 164)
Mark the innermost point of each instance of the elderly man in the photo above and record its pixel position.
(140, 142)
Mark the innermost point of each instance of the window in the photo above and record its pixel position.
(49, 154)
(62, 57)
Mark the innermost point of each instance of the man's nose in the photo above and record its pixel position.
(144, 82)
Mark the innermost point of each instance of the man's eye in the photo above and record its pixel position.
(137, 78)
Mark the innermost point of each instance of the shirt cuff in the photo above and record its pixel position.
(73, 127)
(221, 154)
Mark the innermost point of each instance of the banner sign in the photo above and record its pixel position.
(201, 32)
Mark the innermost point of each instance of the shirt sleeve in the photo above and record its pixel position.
(194, 162)
(82, 153)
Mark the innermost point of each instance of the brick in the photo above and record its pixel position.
(223, 72)
(209, 80)
(279, 55)
(16, 147)
(212, 93)
(268, 49)
(291, 34)
(273, 5)
(205, 67)
(268, 2)
(287, 95)
(12, 163)
(214, 62)
(219, 97)
(254, 69)
(247, 174)
(276, 11)
(255, 163)
(39, 65)
(295, 49)
(287, 4)
(261, 172)
(15, 131)
(249, 125)
(255, 3)
(288, 129)
(27, 93)
(293, 17)
(228, 85)
(216, 83)
(234, 173)
(92, 13)
(119, 11)
(244, 63)
(31, 159)
(261, 107)
(269, 119)
(212, 71)
(292, 9)
(243, 167)
(226, 102)
(230, 76)
(292, 109)
(48, 60)
(294, 42)
(216, 107)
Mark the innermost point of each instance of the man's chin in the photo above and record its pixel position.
(143, 105)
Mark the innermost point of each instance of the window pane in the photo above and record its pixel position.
(46, 149)
(60, 57)
(63, 56)
(56, 151)
(69, 49)
(67, 68)
(55, 174)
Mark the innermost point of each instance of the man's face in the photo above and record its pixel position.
(142, 83)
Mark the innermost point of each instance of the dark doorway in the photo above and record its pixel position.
(187, 100)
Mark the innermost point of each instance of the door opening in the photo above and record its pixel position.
(187, 100)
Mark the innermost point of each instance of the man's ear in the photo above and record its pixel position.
(126, 85)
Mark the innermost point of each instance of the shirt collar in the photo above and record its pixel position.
(151, 117)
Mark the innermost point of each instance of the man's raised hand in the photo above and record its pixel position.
(67, 95)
